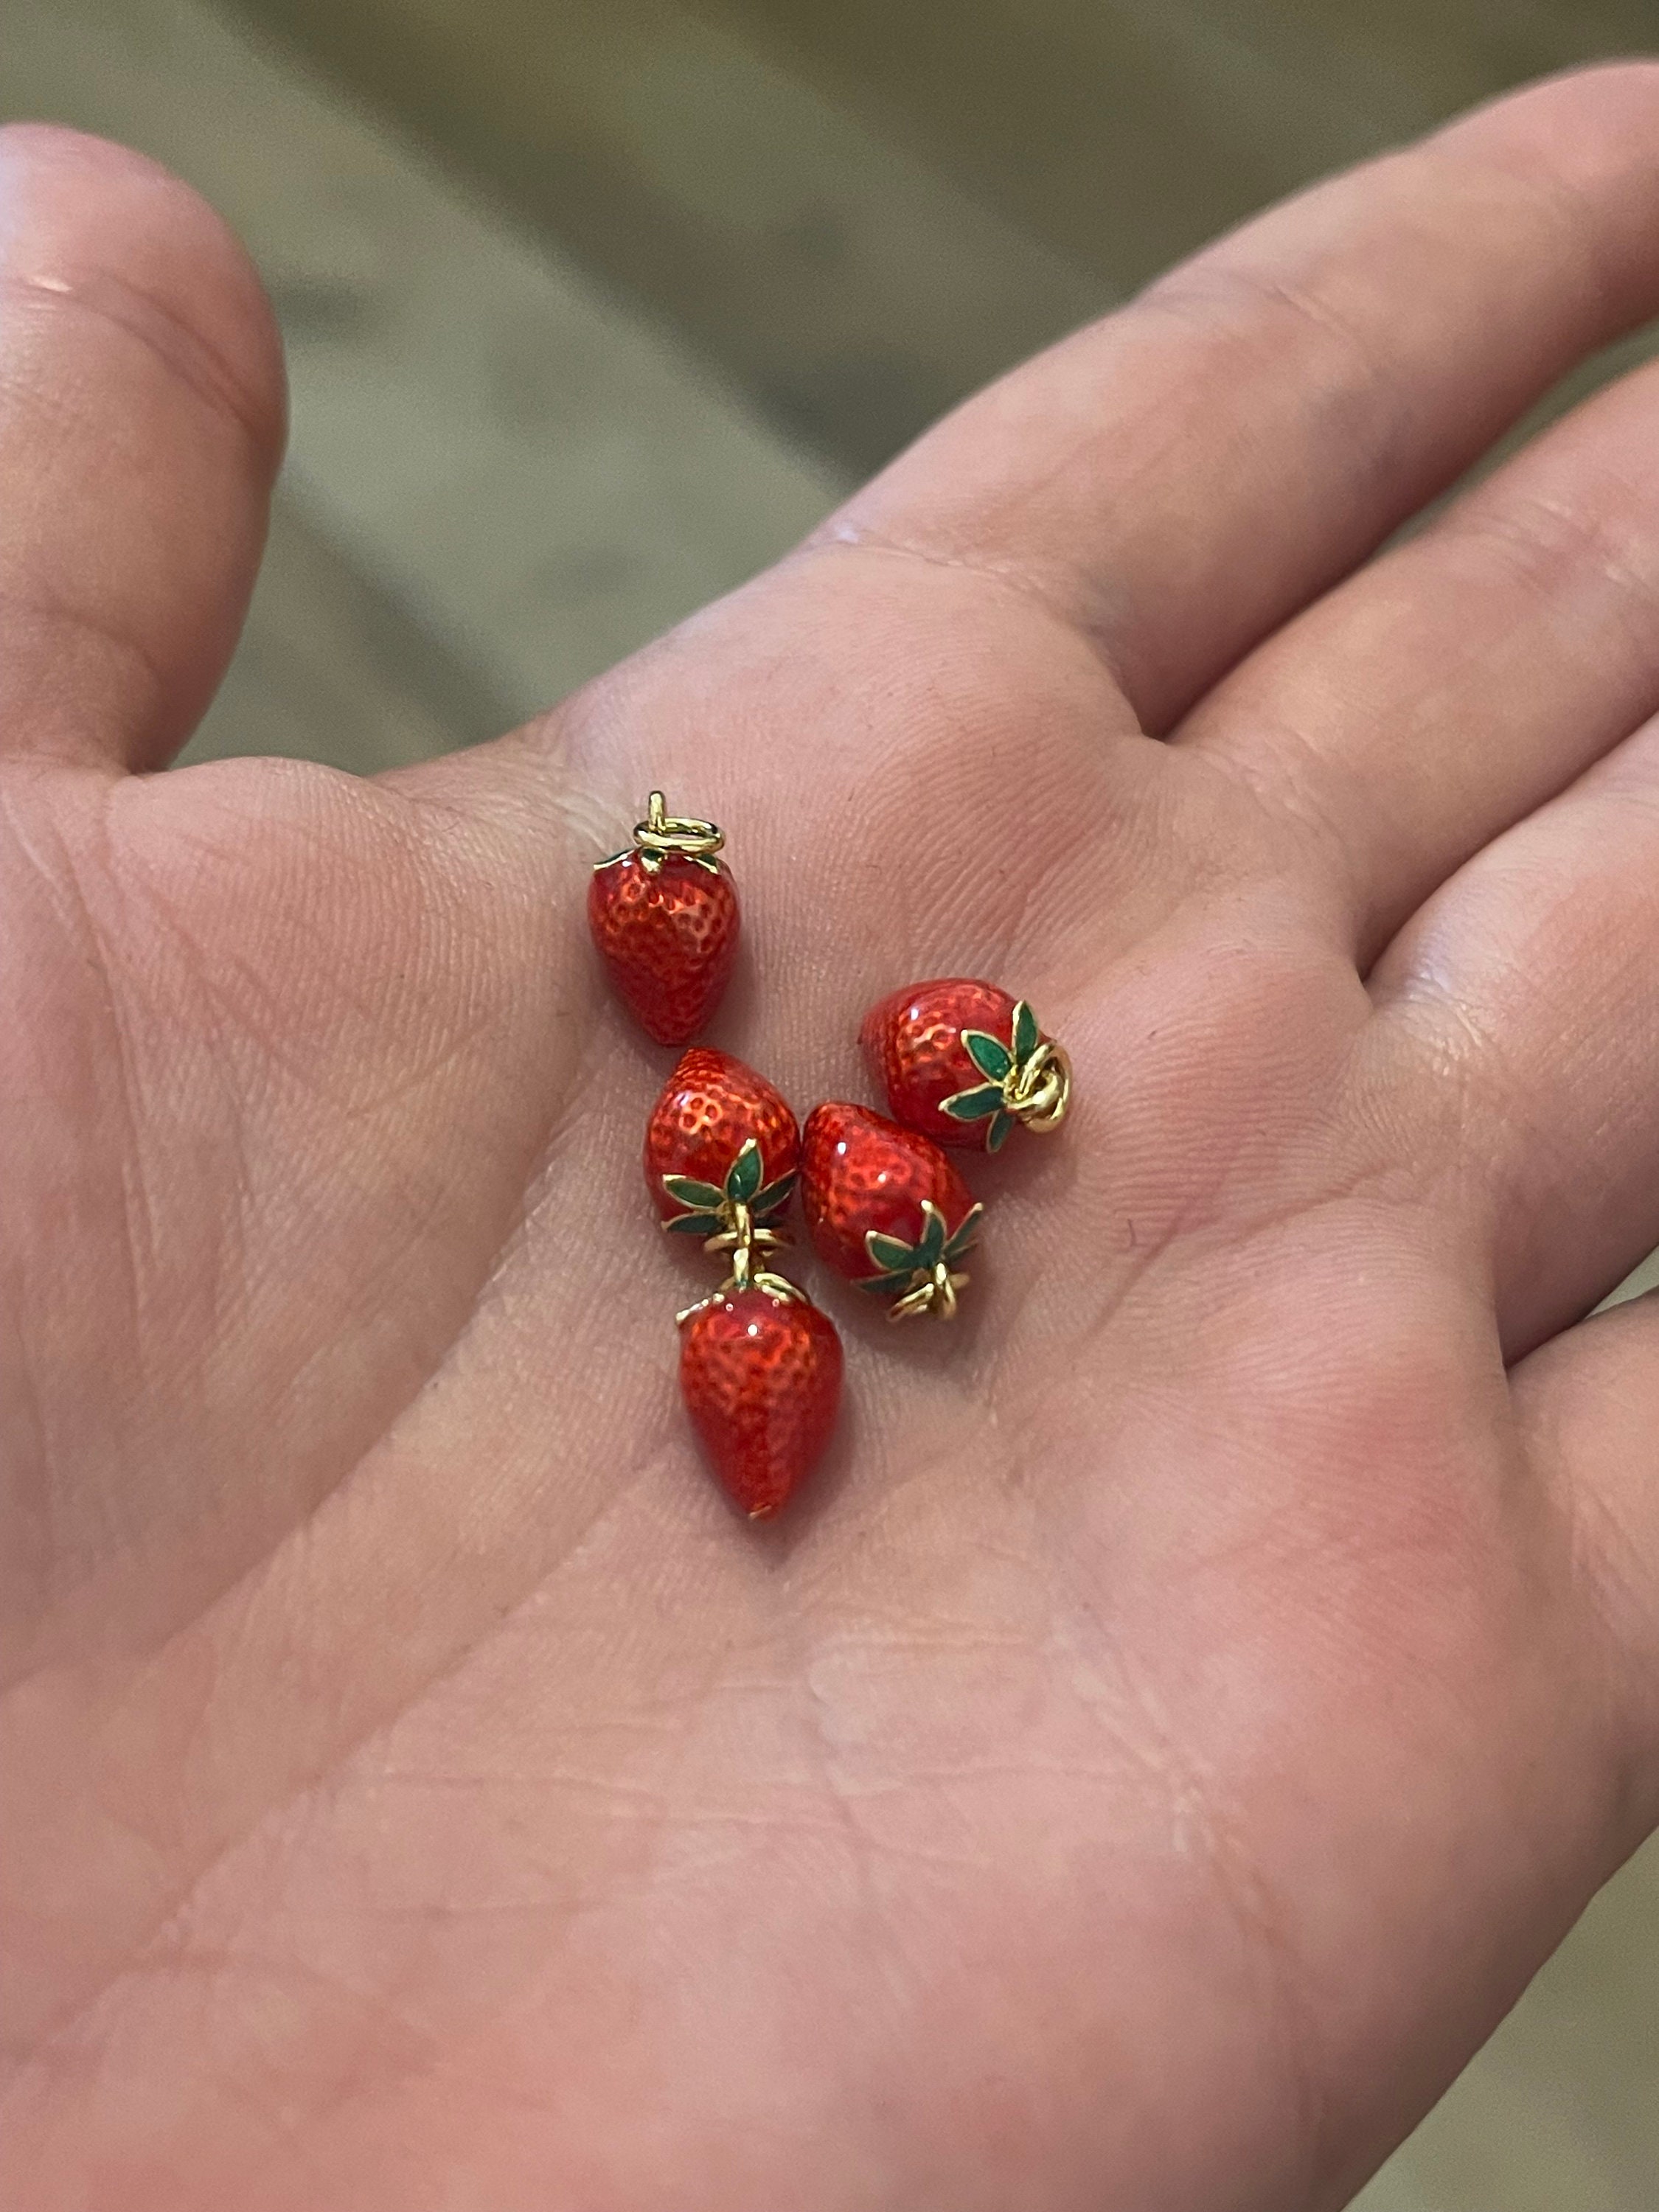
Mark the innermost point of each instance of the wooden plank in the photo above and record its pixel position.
(1125, 132)
(1558, 2113)
(776, 177)
(852, 292)
(331, 668)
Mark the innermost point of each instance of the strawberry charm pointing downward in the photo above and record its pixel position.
(760, 1366)
(760, 1373)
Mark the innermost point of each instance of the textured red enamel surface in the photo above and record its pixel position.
(761, 1377)
(668, 937)
(861, 1171)
(708, 1108)
(913, 1045)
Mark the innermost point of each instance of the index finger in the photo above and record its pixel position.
(1179, 479)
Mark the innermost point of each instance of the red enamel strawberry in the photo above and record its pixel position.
(760, 1367)
(885, 1208)
(663, 916)
(760, 1372)
(720, 1137)
(962, 1061)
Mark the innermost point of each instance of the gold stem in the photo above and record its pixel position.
(742, 1252)
(936, 1294)
(662, 832)
(1038, 1092)
(746, 1241)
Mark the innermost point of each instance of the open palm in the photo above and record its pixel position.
(1197, 1689)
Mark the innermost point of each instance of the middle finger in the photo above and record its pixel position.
(1469, 675)
(1524, 1000)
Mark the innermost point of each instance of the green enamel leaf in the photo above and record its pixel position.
(884, 1285)
(966, 1230)
(1026, 1032)
(891, 1254)
(686, 1190)
(774, 1198)
(973, 1105)
(989, 1053)
(997, 1135)
(743, 1177)
(930, 1248)
(695, 1224)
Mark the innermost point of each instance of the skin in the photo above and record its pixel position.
(1197, 1693)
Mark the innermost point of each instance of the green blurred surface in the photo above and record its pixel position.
(848, 288)
(1126, 135)
(861, 211)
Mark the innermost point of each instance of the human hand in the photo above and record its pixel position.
(1196, 1691)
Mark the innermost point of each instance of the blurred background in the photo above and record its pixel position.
(593, 307)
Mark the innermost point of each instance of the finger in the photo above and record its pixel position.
(1588, 1403)
(1459, 682)
(140, 423)
(1526, 993)
(1180, 478)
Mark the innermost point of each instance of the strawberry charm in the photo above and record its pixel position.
(760, 1373)
(961, 1062)
(885, 1208)
(720, 1139)
(663, 913)
(760, 1366)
